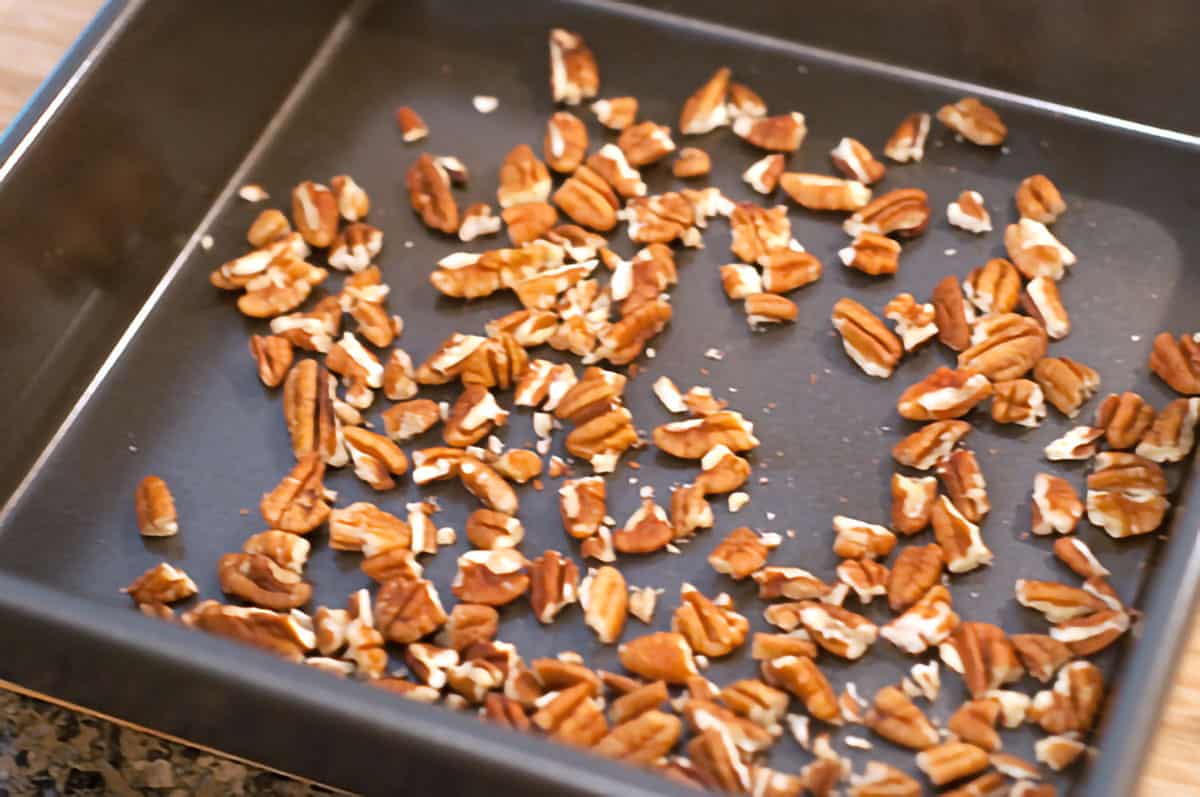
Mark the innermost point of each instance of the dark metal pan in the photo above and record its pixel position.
(122, 360)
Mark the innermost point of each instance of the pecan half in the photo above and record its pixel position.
(974, 121)
(642, 739)
(1093, 633)
(1038, 198)
(554, 583)
(982, 655)
(953, 316)
(647, 530)
(298, 504)
(528, 221)
(964, 484)
(792, 583)
(161, 584)
(1005, 346)
(463, 275)
(711, 629)
(1177, 362)
(800, 676)
(968, 213)
(408, 419)
(783, 133)
(787, 269)
(772, 646)
(1057, 602)
(469, 624)
(257, 579)
(286, 635)
(1018, 401)
(155, 508)
(483, 482)
(896, 718)
(1056, 505)
(616, 113)
(587, 199)
(866, 339)
(918, 569)
(872, 254)
(1035, 251)
(367, 528)
(429, 193)
(907, 143)
(925, 447)
(1066, 383)
(523, 178)
(602, 439)
(412, 126)
(493, 578)
(315, 213)
(739, 554)
(1173, 434)
(565, 143)
(694, 438)
(273, 354)
(705, 110)
(645, 143)
(768, 308)
(903, 212)
(881, 780)
(758, 230)
(610, 164)
(951, 761)
(916, 323)
(573, 73)
(994, 287)
(763, 175)
(1126, 494)
(959, 538)
(1125, 419)
(662, 656)
(856, 162)
(821, 192)
(268, 226)
(474, 415)
(573, 717)
(691, 162)
(286, 550)
(376, 458)
(944, 394)
(604, 597)
(280, 289)
(928, 622)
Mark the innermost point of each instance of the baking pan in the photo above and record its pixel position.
(124, 361)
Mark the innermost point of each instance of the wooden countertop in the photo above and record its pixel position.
(35, 33)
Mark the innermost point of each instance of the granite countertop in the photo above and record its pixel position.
(49, 751)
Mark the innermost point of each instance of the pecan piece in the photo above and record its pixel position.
(881, 780)
(616, 113)
(494, 578)
(975, 723)
(554, 583)
(951, 761)
(268, 227)
(739, 554)
(1057, 602)
(968, 213)
(964, 484)
(974, 121)
(518, 465)
(896, 718)
(429, 194)
(280, 289)
(689, 511)
(705, 110)
(959, 538)
(408, 419)
(257, 579)
(839, 631)
(367, 528)
(711, 629)
(912, 502)
(927, 622)
(661, 219)
(791, 583)
(286, 550)
(478, 220)
(573, 73)
(1038, 198)
(528, 221)
(1041, 301)
(483, 482)
(647, 530)
(360, 370)
(872, 254)
(587, 199)
(1093, 633)
(763, 175)
(1074, 701)
(286, 635)
(1041, 655)
(953, 316)
(928, 445)
(642, 739)
(489, 529)
(1056, 505)
(1125, 419)
(565, 143)
(907, 143)
(604, 597)
(783, 133)
(474, 415)
(573, 717)
(1173, 434)
(523, 178)
(603, 439)
(1126, 494)
(1057, 752)
(772, 646)
(155, 508)
(610, 165)
(1075, 554)
(758, 230)
(1035, 251)
(298, 504)
(582, 506)
(1078, 443)
(944, 395)
(1018, 401)
(994, 287)
(800, 676)
(768, 308)
(273, 354)
(858, 540)
(469, 624)
(821, 192)
(1177, 362)
(412, 126)
(1066, 383)
(916, 323)
(355, 246)
(161, 584)
(903, 212)
(722, 471)
(466, 276)
(856, 161)
(866, 339)
(982, 655)
(500, 361)
(661, 656)
(391, 562)
(691, 162)
(867, 578)
(645, 143)
(917, 570)
(740, 281)
(376, 458)
(694, 438)
(315, 213)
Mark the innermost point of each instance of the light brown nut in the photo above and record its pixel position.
(903, 212)
(953, 316)
(1079, 443)
(783, 133)
(643, 739)
(689, 511)
(429, 664)
(281, 289)
(974, 121)
(703, 714)
(951, 761)
(912, 502)
(269, 226)
(518, 465)
(691, 162)
(740, 281)
(1041, 301)
(700, 402)
(839, 631)
(975, 723)
(298, 504)
(314, 330)
(376, 458)
(1073, 703)
(554, 583)
(624, 341)
(821, 192)
(739, 554)
(1177, 362)
(800, 676)
(494, 578)
(573, 73)
(1075, 554)
(1057, 602)
(792, 583)
(391, 562)
(242, 271)
(758, 230)
(602, 439)
(744, 101)
(916, 323)
(881, 780)
(1041, 655)
(429, 194)
(896, 718)
(161, 584)
(500, 362)
(717, 762)
(573, 717)
(528, 221)
(694, 438)
(1037, 198)
(872, 254)
(478, 220)
(928, 622)
(523, 178)
(907, 143)
(528, 328)
(596, 392)
(635, 697)
(661, 219)
(1035, 251)
(1173, 434)
(866, 578)
(661, 656)
(469, 624)
(866, 339)
(604, 598)
(859, 540)
(489, 529)
(474, 415)
(1125, 494)
(257, 579)
(286, 550)
(616, 113)
(763, 175)
(314, 213)
(1092, 633)
(565, 143)
(155, 508)
(353, 204)
(855, 161)
(959, 538)
(359, 368)
(483, 482)
(711, 629)
(1058, 752)
(412, 126)
(769, 308)
(967, 212)
(364, 296)
(1066, 383)
(463, 275)
(1125, 419)
(721, 471)
(964, 484)
(1018, 401)
(944, 395)
(1056, 505)
(285, 635)
(582, 506)
(647, 530)
(994, 287)
(365, 527)
(587, 199)
(930, 444)
(982, 655)
(772, 646)
(408, 419)
(645, 143)
(610, 165)
(705, 110)
(754, 700)
(917, 570)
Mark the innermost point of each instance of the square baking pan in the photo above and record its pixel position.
(122, 360)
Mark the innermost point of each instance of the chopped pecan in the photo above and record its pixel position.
(694, 438)
(925, 447)
(155, 508)
(1093, 633)
(927, 622)
(478, 220)
(249, 268)
(355, 246)
(711, 629)
(565, 143)
(754, 700)
(912, 502)
(859, 540)
(1079, 442)
(867, 578)
(975, 723)
(288, 635)
(1173, 434)
(642, 602)
(463, 275)
(412, 126)
(896, 718)
(1075, 554)
(866, 339)
(1074, 701)
(903, 212)
(1042, 655)
(273, 354)
(1177, 362)
(968, 213)
(974, 121)
(772, 646)
(769, 308)
(645, 143)
(603, 439)
(257, 579)
(573, 73)
(907, 143)
(604, 597)
(881, 780)
(359, 368)
(856, 161)
(718, 762)
(1057, 752)
(363, 296)
(944, 394)
(367, 528)
(787, 269)
(661, 656)
(429, 193)
(959, 538)
(705, 110)
(783, 133)
(953, 316)
(298, 504)
(872, 254)
(916, 323)
(691, 162)
(636, 700)
(740, 281)
(1125, 419)
(523, 179)
(554, 583)
(642, 739)
(739, 554)
(1041, 301)
(763, 175)
(1126, 494)
(582, 506)
(1066, 383)
(1056, 505)
(647, 530)
(994, 287)
(518, 465)
(489, 529)
(573, 716)
(792, 583)
(429, 664)
(623, 341)
(917, 570)
(800, 676)
(1018, 401)
(494, 578)
(1035, 251)
(280, 289)
(661, 219)
(528, 221)
(1038, 198)
(314, 330)
(1057, 602)
(689, 511)
(469, 624)
(721, 471)
(286, 550)
(161, 584)
(964, 484)
(587, 199)
(758, 230)
(376, 458)
(483, 482)
(388, 563)
(315, 213)
(610, 164)
(951, 761)
(839, 631)
(821, 192)
(473, 417)
(268, 227)
(408, 419)
(616, 113)
(982, 655)
(743, 101)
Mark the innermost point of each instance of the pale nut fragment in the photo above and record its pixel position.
(528, 221)
(739, 555)
(926, 623)
(740, 281)
(1126, 494)
(710, 628)
(1077, 443)
(645, 143)
(1173, 434)
(912, 502)
(952, 314)
(616, 113)
(866, 339)
(376, 458)
(903, 212)
(573, 73)
(1067, 384)
(268, 226)
(916, 323)
(783, 133)
(1057, 752)
(565, 143)
(1041, 300)
(523, 178)
(1056, 505)
(691, 162)
(800, 676)
(298, 504)
(408, 419)
(907, 143)
(967, 212)
(944, 395)
(647, 530)
(839, 631)
(1038, 198)
(927, 446)
(604, 598)
(964, 484)
(769, 308)
(429, 194)
(1035, 251)
(763, 175)
(161, 584)
(474, 415)
(1125, 419)
(854, 160)
(872, 254)
(155, 509)
(257, 579)
(1177, 362)
(881, 780)
(959, 538)
(866, 578)
(314, 213)
(994, 287)
(821, 192)
(493, 578)
(694, 438)
(1018, 401)
(288, 635)
(661, 656)
(588, 200)
(610, 164)
(856, 539)
(974, 121)
(705, 110)
(896, 718)
(582, 506)
(478, 220)
(758, 230)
